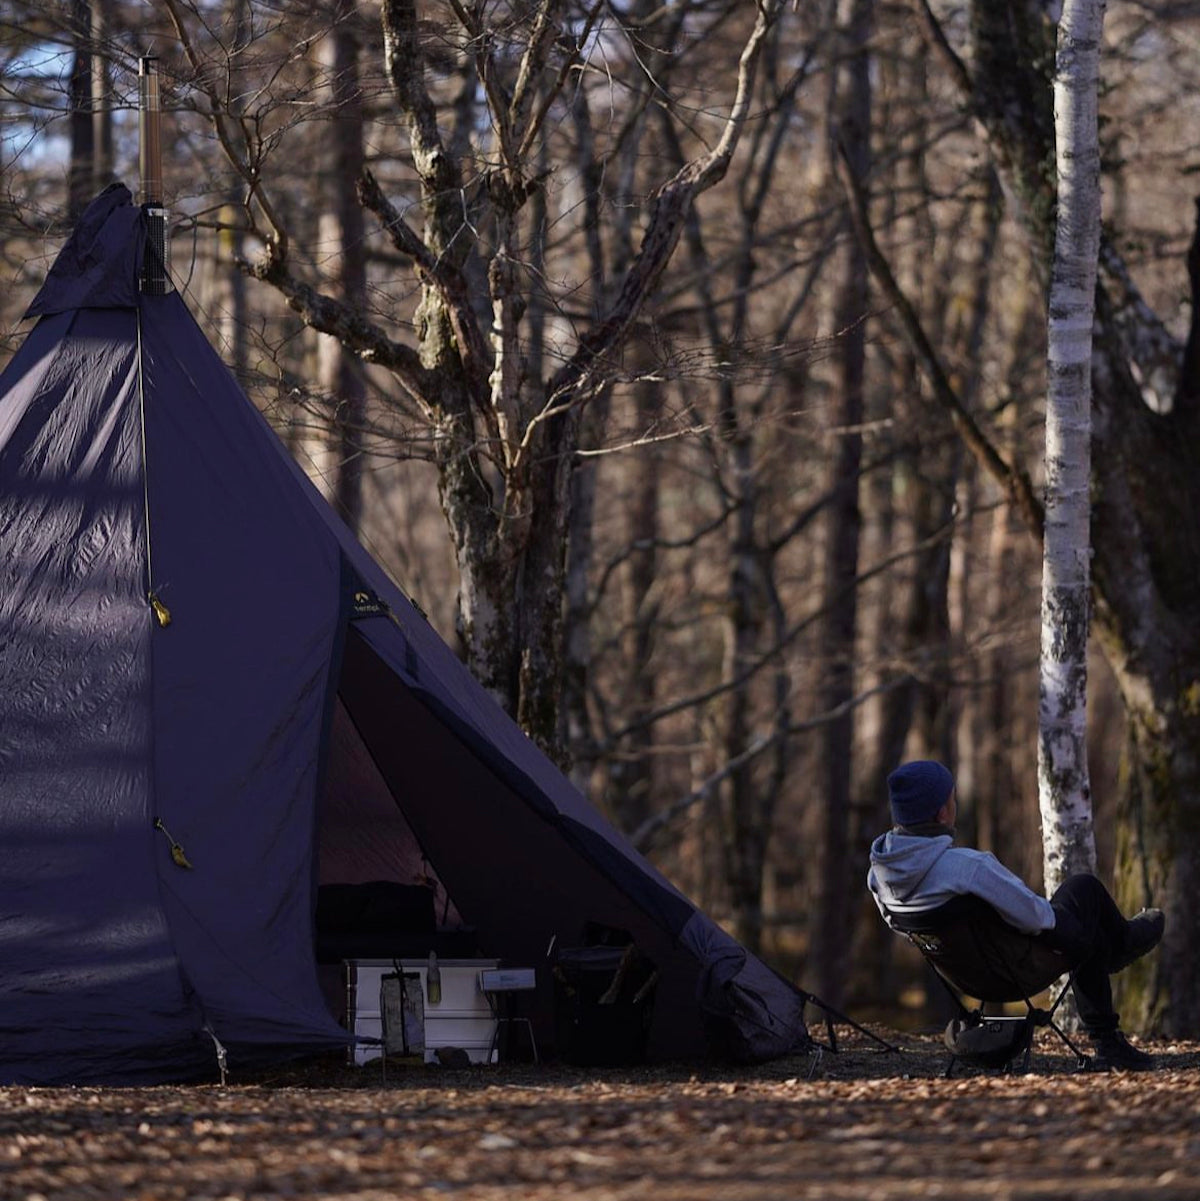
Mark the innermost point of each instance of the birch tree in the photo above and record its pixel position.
(1145, 505)
(343, 228)
(1064, 792)
(504, 442)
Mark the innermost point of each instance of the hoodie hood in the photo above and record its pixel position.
(900, 862)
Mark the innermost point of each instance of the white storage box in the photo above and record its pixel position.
(463, 1017)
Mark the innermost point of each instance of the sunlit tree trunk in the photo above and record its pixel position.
(1064, 791)
(343, 230)
(231, 244)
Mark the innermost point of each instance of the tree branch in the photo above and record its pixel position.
(347, 324)
(786, 639)
(438, 273)
(441, 180)
(1152, 353)
(277, 239)
(670, 210)
(553, 92)
(958, 69)
(645, 832)
(1012, 479)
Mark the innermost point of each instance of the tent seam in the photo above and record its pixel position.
(145, 456)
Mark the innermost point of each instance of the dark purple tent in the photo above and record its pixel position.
(212, 700)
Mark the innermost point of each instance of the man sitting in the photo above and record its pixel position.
(915, 867)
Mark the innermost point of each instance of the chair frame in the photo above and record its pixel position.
(1009, 966)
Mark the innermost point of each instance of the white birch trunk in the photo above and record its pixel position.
(1064, 790)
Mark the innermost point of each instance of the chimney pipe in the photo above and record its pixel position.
(155, 273)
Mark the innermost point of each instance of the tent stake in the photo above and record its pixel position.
(222, 1057)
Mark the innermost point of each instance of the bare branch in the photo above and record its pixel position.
(937, 34)
(347, 324)
(786, 639)
(553, 93)
(671, 207)
(1153, 354)
(223, 119)
(533, 61)
(441, 179)
(1014, 480)
(645, 832)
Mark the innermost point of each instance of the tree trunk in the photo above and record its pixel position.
(745, 832)
(1064, 791)
(343, 229)
(840, 598)
(631, 776)
(605, 268)
(102, 104)
(231, 244)
(81, 186)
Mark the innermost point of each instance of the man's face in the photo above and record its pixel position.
(949, 811)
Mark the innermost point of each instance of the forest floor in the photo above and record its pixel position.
(862, 1124)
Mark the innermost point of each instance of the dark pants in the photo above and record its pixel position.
(1092, 932)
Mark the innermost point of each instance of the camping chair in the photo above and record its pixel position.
(976, 954)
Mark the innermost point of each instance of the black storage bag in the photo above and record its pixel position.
(989, 1042)
(603, 1001)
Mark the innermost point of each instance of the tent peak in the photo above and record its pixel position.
(100, 265)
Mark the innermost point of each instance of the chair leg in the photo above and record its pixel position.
(830, 1015)
(1082, 1057)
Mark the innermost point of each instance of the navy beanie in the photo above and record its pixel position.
(918, 790)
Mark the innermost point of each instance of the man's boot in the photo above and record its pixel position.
(1115, 1053)
(1143, 932)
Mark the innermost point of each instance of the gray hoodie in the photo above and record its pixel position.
(910, 874)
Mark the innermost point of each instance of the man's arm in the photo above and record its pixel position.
(1009, 895)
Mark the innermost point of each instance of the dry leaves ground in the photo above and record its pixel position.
(866, 1125)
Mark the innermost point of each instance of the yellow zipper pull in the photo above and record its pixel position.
(161, 612)
(177, 855)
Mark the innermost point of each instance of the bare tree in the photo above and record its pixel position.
(504, 442)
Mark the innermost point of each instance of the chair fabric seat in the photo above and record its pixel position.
(977, 952)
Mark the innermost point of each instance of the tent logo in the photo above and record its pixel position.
(367, 604)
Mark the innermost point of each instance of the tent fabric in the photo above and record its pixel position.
(99, 266)
(184, 670)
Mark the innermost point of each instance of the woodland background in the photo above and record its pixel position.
(645, 432)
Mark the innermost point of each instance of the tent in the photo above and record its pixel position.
(213, 702)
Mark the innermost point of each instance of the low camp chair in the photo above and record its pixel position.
(976, 954)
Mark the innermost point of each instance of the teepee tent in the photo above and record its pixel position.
(213, 701)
